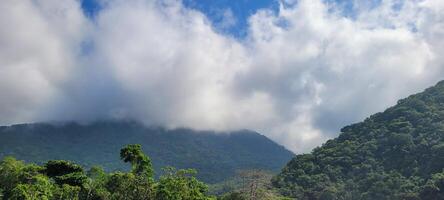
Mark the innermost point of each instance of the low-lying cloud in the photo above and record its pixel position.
(299, 75)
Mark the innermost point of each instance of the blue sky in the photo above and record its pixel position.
(214, 10)
(90, 7)
(240, 10)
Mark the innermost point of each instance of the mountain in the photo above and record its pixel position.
(216, 156)
(396, 154)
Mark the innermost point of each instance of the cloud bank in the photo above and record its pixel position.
(300, 74)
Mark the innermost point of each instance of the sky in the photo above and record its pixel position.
(294, 70)
(227, 16)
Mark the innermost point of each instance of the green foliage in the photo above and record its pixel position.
(64, 172)
(180, 184)
(215, 156)
(65, 180)
(434, 188)
(141, 164)
(67, 192)
(73, 179)
(397, 154)
(122, 186)
(10, 173)
(55, 168)
(39, 188)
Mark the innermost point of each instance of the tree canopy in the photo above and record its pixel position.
(60, 179)
(396, 154)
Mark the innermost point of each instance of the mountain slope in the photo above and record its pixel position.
(216, 156)
(396, 154)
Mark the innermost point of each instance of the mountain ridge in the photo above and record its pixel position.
(395, 154)
(216, 156)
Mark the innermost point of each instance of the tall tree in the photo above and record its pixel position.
(140, 163)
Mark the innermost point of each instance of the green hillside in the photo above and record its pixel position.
(216, 156)
(396, 154)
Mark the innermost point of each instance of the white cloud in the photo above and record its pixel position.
(37, 51)
(300, 75)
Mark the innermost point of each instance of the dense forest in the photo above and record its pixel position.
(217, 156)
(60, 179)
(396, 154)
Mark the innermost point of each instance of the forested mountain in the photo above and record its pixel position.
(216, 156)
(396, 154)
